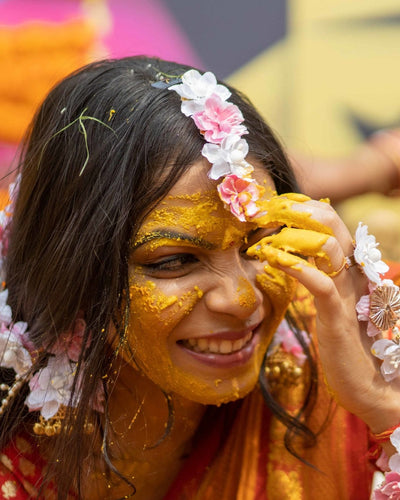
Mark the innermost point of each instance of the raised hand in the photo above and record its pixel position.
(314, 247)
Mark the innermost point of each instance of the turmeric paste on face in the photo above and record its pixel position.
(185, 246)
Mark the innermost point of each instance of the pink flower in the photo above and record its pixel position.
(363, 310)
(289, 342)
(383, 462)
(219, 119)
(240, 195)
(71, 342)
(390, 489)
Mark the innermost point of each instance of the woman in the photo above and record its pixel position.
(152, 262)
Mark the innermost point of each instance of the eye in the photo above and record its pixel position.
(172, 266)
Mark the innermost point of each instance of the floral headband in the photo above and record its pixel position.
(221, 124)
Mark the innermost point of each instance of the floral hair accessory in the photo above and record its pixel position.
(381, 306)
(367, 255)
(221, 124)
(390, 488)
(51, 385)
(381, 309)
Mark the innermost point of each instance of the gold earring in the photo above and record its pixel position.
(282, 370)
(53, 426)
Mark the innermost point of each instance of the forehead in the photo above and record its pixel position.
(193, 207)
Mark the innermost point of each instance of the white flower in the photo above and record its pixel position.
(3, 219)
(394, 461)
(228, 158)
(367, 255)
(5, 309)
(195, 88)
(12, 352)
(389, 352)
(13, 190)
(395, 439)
(51, 386)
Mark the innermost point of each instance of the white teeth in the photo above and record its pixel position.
(202, 343)
(225, 347)
(217, 346)
(213, 346)
(238, 344)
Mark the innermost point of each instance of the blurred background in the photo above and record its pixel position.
(325, 75)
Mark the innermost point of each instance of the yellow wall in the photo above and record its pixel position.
(340, 59)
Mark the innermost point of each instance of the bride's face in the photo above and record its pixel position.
(202, 312)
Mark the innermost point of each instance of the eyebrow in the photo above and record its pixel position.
(159, 234)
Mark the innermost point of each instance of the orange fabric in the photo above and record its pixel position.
(253, 463)
(394, 272)
(4, 198)
(41, 54)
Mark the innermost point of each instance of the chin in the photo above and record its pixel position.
(215, 392)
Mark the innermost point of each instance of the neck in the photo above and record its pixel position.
(139, 446)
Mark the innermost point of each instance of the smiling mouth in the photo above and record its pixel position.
(217, 346)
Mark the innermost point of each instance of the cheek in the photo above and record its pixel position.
(279, 287)
(153, 317)
(246, 294)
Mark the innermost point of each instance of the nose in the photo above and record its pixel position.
(232, 289)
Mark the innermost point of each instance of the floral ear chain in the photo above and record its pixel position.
(50, 386)
(221, 124)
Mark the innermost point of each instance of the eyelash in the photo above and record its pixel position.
(178, 265)
(172, 264)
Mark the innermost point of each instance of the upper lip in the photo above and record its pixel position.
(228, 334)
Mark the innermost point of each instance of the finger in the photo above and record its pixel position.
(323, 248)
(328, 217)
(327, 297)
(299, 211)
(278, 211)
(291, 264)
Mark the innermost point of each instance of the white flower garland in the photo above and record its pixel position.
(221, 124)
(51, 386)
(381, 308)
